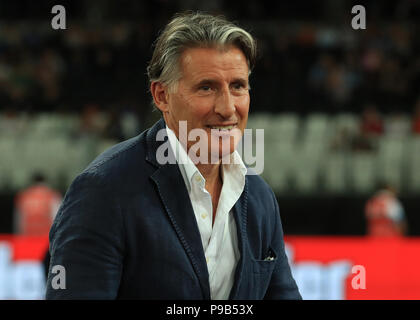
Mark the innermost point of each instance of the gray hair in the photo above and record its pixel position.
(191, 30)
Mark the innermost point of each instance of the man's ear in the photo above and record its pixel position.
(160, 95)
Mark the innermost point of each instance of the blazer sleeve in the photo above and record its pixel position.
(86, 240)
(282, 285)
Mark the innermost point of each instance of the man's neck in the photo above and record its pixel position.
(210, 172)
(214, 183)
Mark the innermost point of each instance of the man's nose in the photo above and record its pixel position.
(225, 105)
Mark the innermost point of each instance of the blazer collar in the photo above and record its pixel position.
(178, 206)
(240, 215)
(176, 201)
(155, 137)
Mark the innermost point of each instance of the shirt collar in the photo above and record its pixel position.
(187, 167)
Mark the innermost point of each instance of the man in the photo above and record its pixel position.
(385, 214)
(35, 208)
(134, 227)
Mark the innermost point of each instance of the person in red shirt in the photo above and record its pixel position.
(371, 123)
(35, 208)
(385, 214)
(416, 118)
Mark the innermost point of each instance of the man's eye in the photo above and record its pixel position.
(238, 86)
(205, 88)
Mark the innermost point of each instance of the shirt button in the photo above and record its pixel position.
(198, 178)
(207, 260)
(204, 215)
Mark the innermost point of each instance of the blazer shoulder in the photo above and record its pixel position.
(258, 187)
(116, 162)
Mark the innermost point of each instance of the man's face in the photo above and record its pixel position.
(212, 95)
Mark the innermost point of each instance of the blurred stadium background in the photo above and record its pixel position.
(340, 107)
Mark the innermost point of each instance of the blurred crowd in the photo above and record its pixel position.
(307, 62)
(373, 125)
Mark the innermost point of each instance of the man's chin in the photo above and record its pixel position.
(221, 155)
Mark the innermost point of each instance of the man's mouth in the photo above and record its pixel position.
(223, 127)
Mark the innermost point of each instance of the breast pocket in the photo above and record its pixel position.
(262, 272)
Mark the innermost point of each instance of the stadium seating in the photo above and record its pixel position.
(335, 168)
(316, 127)
(413, 164)
(391, 160)
(299, 153)
(347, 121)
(363, 172)
(8, 145)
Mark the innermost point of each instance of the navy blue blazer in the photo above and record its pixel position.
(126, 230)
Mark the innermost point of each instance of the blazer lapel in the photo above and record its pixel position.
(240, 215)
(175, 198)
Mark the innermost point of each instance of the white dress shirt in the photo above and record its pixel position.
(220, 242)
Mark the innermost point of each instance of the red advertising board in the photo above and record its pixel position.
(22, 275)
(352, 268)
(26, 248)
(371, 268)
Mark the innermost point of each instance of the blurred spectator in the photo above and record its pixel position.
(320, 70)
(371, 126)
(93, 121)
(371, 122)
(35, 208)
(385, 214)
(317, 78)
(372, 60)
(104, 62)
(48, 73)
(392, 83)
(113, 128)
(333, 81)
(340, 84)
(416, 118)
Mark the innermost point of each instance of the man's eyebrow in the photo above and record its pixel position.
(206, 82)
(240, 80)
(213, 82)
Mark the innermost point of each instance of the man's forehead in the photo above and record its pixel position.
(198, 60)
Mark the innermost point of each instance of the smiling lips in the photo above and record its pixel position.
(223, 127)
(224, 131)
